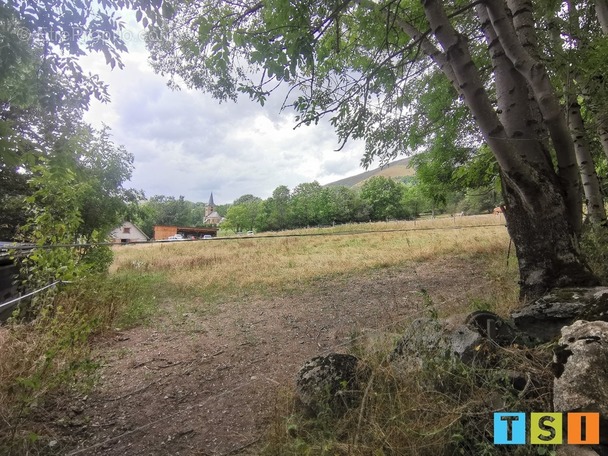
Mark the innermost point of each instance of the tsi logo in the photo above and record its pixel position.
(547, 428)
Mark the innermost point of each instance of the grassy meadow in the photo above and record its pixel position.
(279, 262)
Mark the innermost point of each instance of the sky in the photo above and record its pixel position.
(186, 143)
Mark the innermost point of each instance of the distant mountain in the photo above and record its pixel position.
(396, 169)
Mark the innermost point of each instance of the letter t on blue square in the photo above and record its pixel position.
(509, 428)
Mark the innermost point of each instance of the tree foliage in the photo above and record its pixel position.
(243, 214)
(64, 181)
(384, 197)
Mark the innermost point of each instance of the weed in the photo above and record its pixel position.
(428, 305)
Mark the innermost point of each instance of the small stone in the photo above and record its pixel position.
(331, 383)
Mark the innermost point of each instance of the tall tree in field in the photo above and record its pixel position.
(375, 68)
(307, 204)
(277, 209)
(384, 196)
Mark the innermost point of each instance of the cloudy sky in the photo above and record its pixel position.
(186, 143)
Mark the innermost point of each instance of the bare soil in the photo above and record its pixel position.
(208, 383)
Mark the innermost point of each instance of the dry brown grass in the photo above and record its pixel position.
(274, 262)
(443, 407)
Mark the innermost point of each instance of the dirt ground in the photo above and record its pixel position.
(209, 385)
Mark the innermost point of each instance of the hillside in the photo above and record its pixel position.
(396, 169)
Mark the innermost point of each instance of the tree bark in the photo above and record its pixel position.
(591, 184)
(536, 209)
(596, 213)
(538, 79)
(602, 130)
(547, 256)
(516, 106)
(523, 21)
(601, 10)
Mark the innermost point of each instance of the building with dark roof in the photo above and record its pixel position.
(211, 216)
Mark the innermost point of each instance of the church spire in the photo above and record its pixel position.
(210, 207)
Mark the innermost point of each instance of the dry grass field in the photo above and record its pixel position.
(194, 341)
(291, 260)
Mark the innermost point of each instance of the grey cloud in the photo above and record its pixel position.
(186, 143)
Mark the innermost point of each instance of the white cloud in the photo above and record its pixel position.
(186, 143)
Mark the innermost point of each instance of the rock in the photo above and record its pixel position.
(422, 336)
(331, 383)
(544, 318)
(429, 338)
(574, 450)
(466, 344)
(581, 372)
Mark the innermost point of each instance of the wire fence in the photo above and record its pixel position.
(16, 300)
(10, 251)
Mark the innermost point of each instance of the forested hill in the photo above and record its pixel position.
(398, 168)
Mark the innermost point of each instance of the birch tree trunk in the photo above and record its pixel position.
(601, 10)
(602, 130)
(536, 75)
(591, 184)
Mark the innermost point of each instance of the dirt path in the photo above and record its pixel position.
(208, 386)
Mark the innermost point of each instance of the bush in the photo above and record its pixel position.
(97, 259)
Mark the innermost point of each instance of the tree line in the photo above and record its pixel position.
(378, 199)
(311, 204)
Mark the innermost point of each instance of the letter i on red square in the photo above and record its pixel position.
(583, 428)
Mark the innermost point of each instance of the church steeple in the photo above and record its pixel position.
(210, 207)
